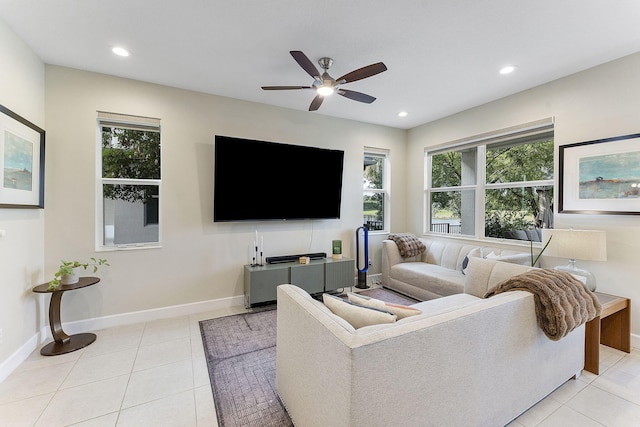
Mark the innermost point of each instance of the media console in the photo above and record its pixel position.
(320, 275)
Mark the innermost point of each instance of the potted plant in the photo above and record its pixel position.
(69, 271)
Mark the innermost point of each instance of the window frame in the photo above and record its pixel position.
(128, 122)
(517, 135)
(384, 154)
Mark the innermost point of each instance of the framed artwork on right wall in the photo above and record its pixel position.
(600, 176)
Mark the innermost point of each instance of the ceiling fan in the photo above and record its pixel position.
(325, 85)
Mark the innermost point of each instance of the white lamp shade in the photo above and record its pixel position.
(588, 245)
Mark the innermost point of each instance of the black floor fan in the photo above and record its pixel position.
(362, 255)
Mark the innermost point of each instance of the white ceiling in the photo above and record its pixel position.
(442, 56)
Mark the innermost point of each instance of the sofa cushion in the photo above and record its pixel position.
(446, 254)
(401, 311)
(357, 315)
(440, 280)
(482, 274)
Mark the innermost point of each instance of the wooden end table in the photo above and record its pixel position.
(63, 343)
(612, 328)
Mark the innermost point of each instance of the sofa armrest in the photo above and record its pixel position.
(390, 257)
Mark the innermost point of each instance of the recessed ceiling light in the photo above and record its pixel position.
(120, 51)
(508, 69)
(403, 114)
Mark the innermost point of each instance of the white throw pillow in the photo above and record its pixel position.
(475, 252)
(401, 311)
(358, 316)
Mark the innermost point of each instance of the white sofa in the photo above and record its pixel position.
(437, 272)
(465, 361)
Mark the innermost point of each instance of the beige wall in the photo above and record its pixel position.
(22, 249)
(199, 260)
(597, 103)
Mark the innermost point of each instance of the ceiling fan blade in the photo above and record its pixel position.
(285, 87)
(356, 96)
(306, 64)
(316, 103)
(363, 73)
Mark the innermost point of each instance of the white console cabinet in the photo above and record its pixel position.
(321, 275)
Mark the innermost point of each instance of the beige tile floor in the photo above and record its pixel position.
(155, 374)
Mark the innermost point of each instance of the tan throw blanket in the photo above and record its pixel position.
(562, 302)
(408, 244)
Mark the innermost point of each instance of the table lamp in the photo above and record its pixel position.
(590, 245)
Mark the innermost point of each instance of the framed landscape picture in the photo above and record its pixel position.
(601, 176)
(21, 162)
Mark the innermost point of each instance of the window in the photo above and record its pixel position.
(497, 185)
(375, 184)
(128, 181)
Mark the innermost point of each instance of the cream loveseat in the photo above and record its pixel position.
(438, 271)
(465, 361)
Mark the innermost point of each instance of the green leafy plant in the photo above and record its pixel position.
(67, 268)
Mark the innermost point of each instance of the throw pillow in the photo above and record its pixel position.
(408, 244)
(357, 315)
(401, 311)
(475, 252)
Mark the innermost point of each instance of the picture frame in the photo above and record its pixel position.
(600, 176)
(21, 162)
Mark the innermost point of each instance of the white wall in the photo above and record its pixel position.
(200, 260)
(22, 249)
(597, 103)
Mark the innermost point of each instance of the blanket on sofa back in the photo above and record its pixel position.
(408, 244)
(562, 302)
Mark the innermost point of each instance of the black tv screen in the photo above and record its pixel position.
(260, 180)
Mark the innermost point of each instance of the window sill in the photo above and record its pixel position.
(127, 248)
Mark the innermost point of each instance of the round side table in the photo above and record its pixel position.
(63, 343)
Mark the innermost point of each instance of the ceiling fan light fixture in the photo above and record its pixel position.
(325, 90)
(326, 85)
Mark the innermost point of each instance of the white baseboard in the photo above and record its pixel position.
(19, 356)
(635, 341)
(123, 319)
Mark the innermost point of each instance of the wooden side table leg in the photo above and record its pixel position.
(592, 346)
(59, 336)
(616, 330)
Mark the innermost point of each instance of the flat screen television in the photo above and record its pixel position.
(260, 180)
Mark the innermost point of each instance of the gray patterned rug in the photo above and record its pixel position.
(241, 358)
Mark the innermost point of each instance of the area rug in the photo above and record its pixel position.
(241, 358)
